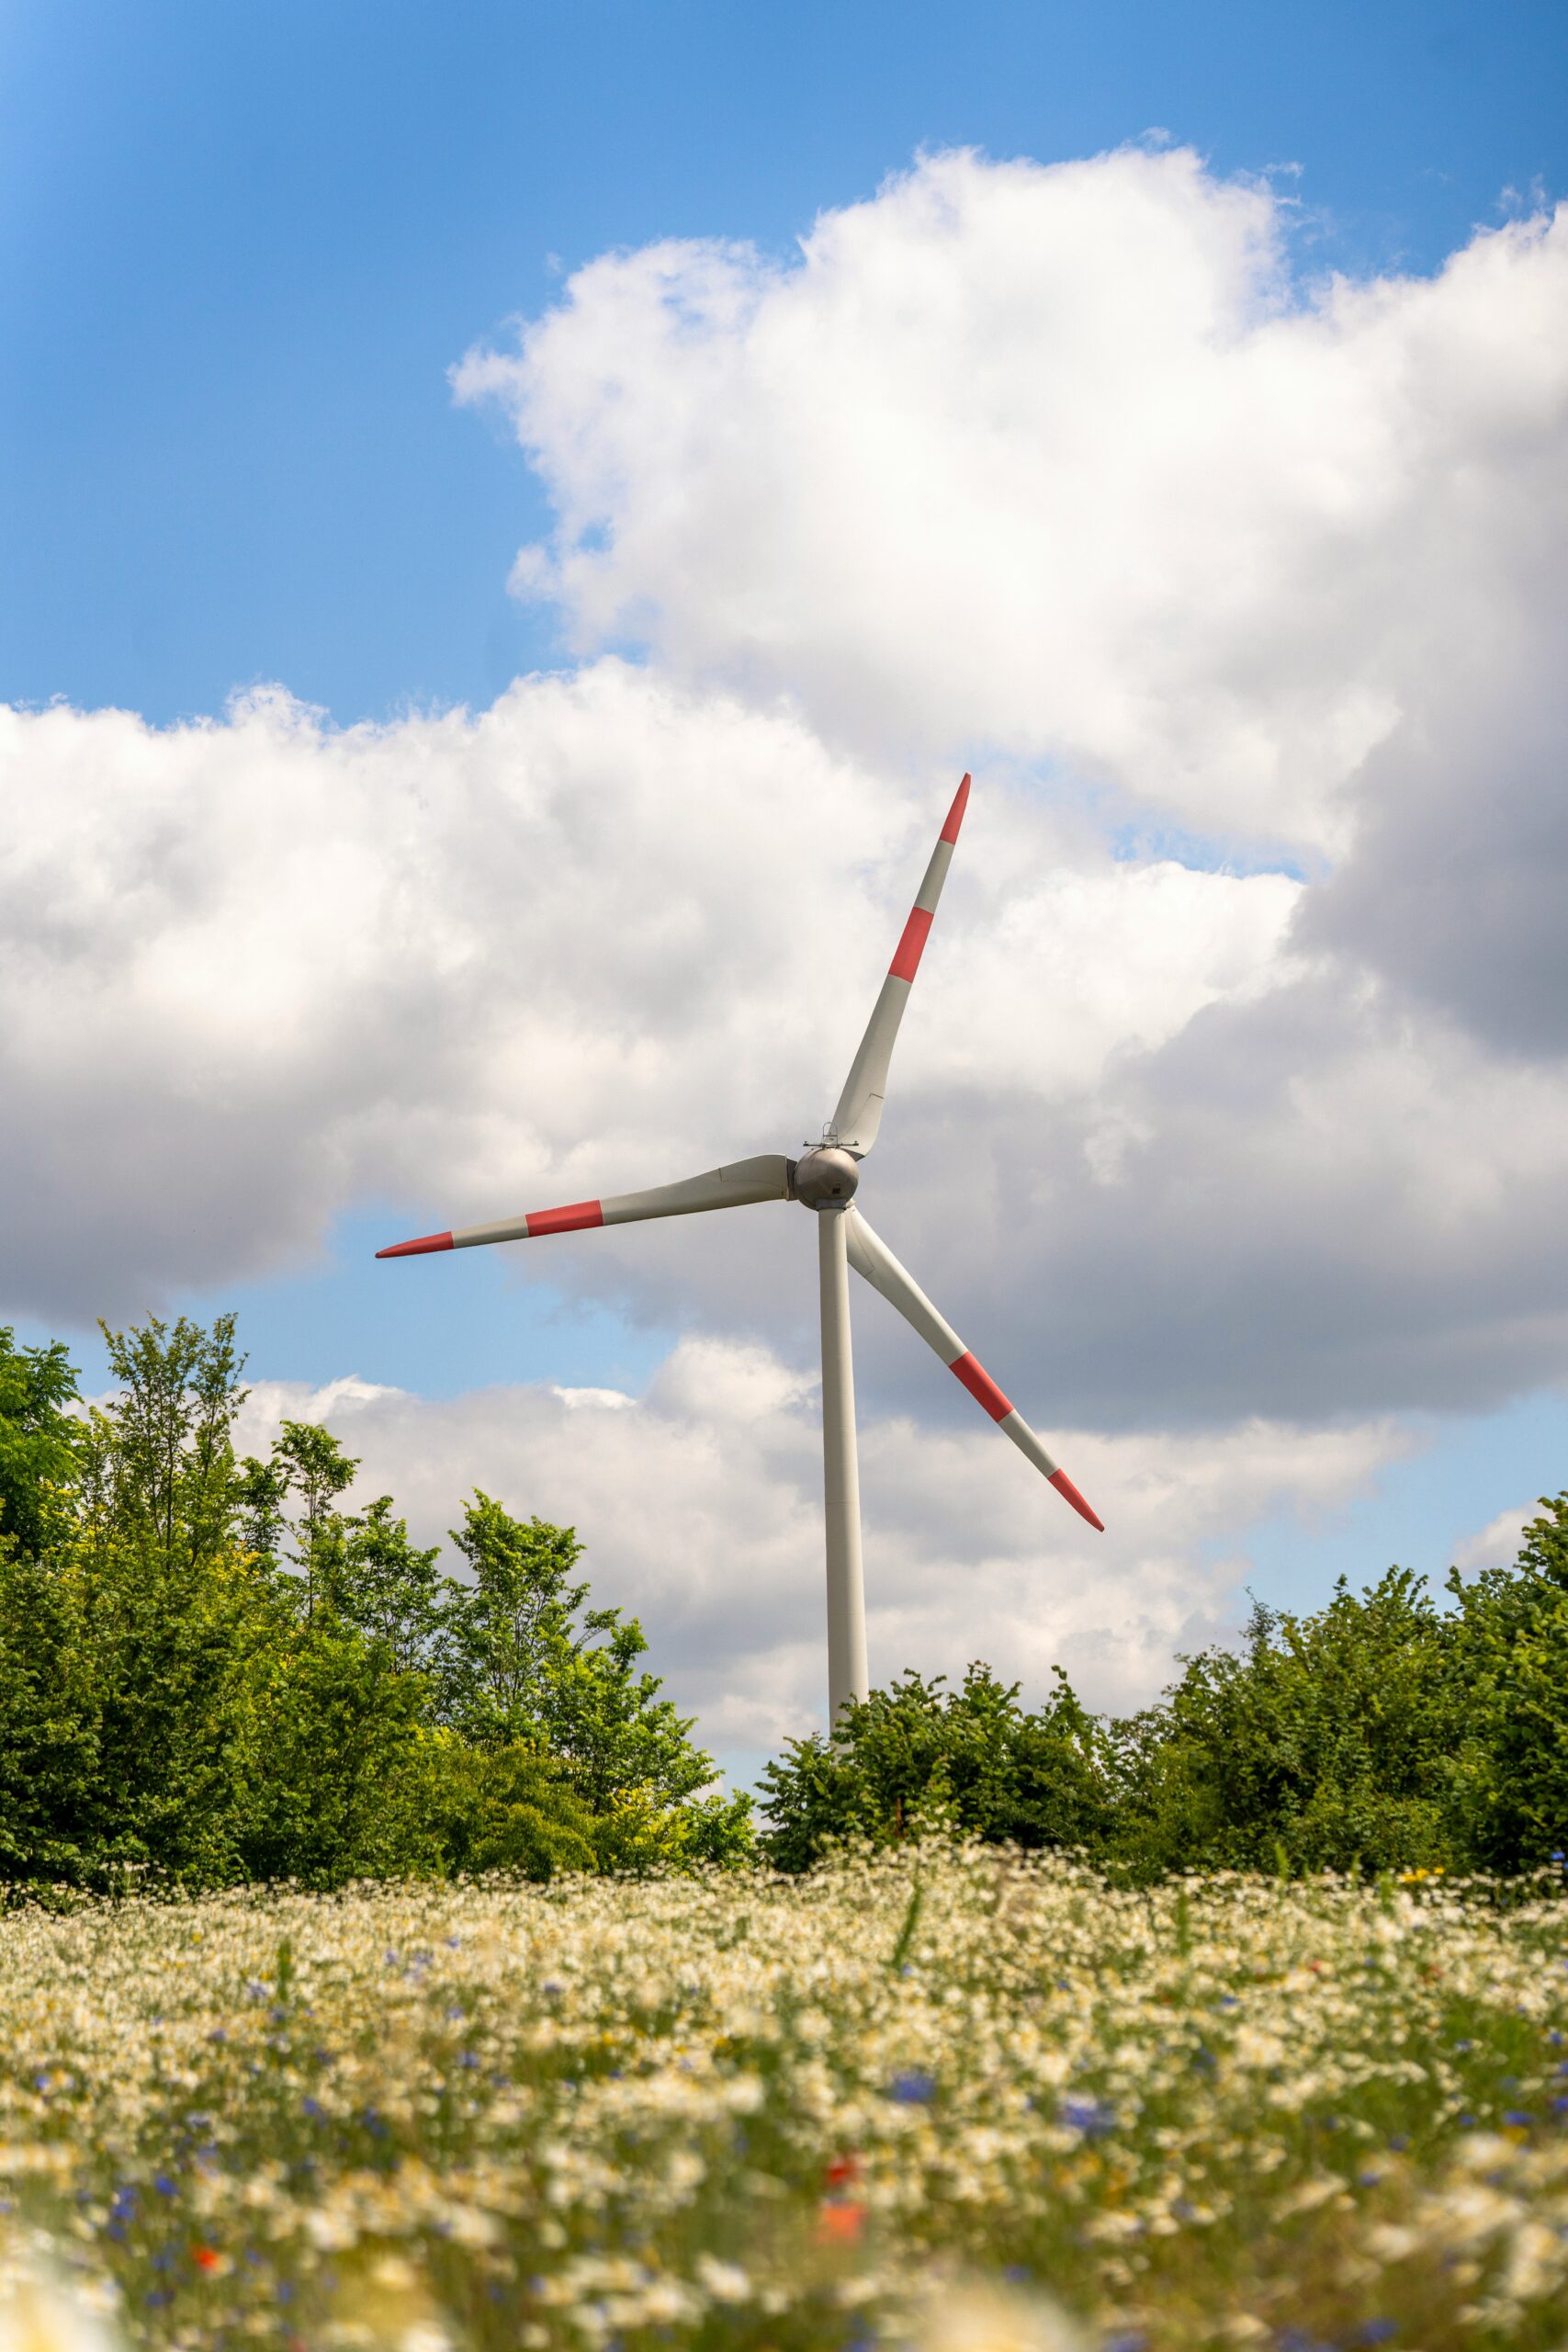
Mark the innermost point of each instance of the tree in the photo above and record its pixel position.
(916, 1758)
(508, 1629)
(325, 1732)
(391, 1589)
(1510, 1784)
(213, 1669)
(527, 1662)
(173, 1613)
(39, 1439)
(50, 1765)
(509, 1808)
(166, 1444)
(307, 1469)
(1326, 1744)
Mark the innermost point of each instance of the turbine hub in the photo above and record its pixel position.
(826, 1179)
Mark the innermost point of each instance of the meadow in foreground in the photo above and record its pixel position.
(747, 2111)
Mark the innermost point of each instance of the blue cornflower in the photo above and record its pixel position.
(1085, 2115)
(913, 2087)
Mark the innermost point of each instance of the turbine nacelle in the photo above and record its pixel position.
(825, 1178)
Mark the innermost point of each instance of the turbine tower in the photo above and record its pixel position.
(824, 1181)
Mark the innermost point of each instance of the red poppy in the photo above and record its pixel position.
(841, 2224)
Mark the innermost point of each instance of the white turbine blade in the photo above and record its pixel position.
(743, 1180)
(859, 1113)
(873, 1259)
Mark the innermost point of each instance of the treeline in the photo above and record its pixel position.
(1381, 1733)
(211, 1673)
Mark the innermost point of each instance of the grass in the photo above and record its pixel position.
(937, 2099)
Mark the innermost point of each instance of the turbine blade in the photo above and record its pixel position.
(766, 1178)
(859, 1113)
(871, 1258)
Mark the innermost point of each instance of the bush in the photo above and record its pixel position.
(917, 1758)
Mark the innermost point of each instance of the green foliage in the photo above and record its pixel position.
(1511, 1777)
(211, 1672)
(1379, 1734)
(1327, 1745)
(307, 1469)
(49, 1754)
(160, 1459)
(511, 1808)
(39, 1439)
(527, 1661)
(916, 1758)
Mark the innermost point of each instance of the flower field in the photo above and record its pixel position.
(935, 2098)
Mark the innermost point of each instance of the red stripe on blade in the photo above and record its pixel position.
(981, 1386)
(417, 1248)
(956, 814)
(1064, 1486)
(906, 962)
(570, 1220)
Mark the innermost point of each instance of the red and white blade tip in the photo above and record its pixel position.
(426, 1242)
(1064, 1486)
(956, 814)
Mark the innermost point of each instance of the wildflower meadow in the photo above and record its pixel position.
(946, 2094)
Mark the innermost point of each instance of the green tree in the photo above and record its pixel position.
(1326, 1744)
(1511, 1785)
(916, 1758)
(391, 1589)
(288, 1505)
(508, 1808)
(161, 1457)
(173, 1614)
(527, 1661)
(51, 1767)
(325, 1732)
(39, 1439)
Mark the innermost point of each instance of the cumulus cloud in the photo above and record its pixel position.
(604, 934)
(1060, 461)
(1495, 1546)
(701, 1505)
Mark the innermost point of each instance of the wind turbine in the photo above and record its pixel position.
(824, 1180)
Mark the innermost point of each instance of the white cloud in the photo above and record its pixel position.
(700, 1503)
(605, 934)
(1495, 1546)
(1058, 460)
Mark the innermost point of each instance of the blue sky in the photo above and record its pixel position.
(241, 249)
(241, 246)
